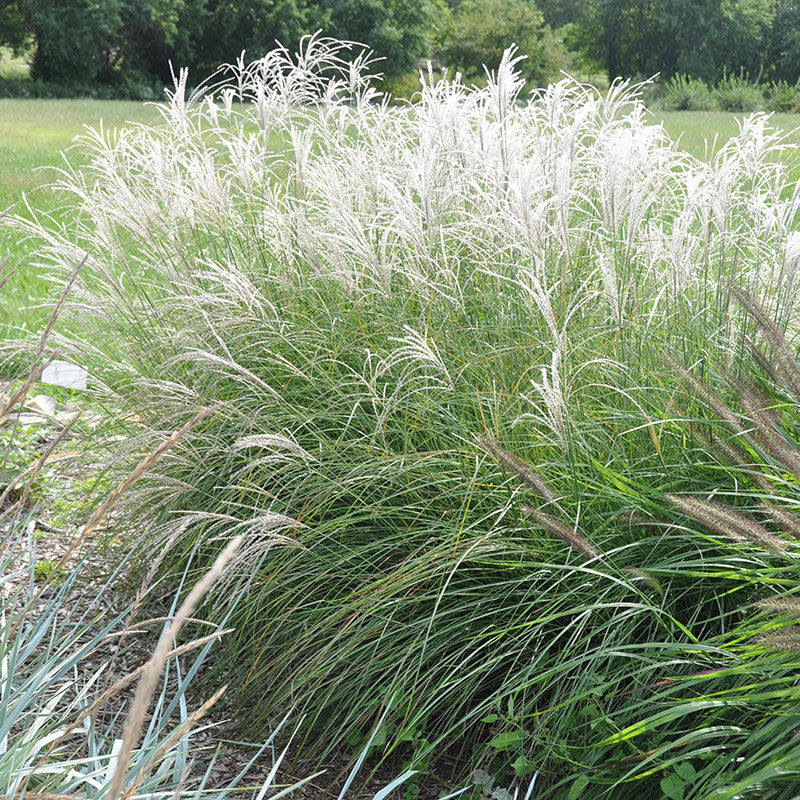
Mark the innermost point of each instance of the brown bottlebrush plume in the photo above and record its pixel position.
(726, 522)
(736, 455)
(787, 604)
(561, 531)
(520, 468)
(786, 639)
(765, 431)
(768, 365)
(787, 521)
(706, 394)
(785, 365)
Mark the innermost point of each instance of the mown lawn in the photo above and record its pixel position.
(697, 130)
(33, 135)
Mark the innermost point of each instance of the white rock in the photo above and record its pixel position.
(63, 373)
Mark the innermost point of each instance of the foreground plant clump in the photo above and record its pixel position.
(397, 314)
(70, 721)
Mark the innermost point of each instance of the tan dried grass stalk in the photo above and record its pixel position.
(8, 275)
(29, 476)
(518, 467)
(149, 679)
(172, 740)
(51, 320)
(141, 468)
(143, 587)
(561, 531)
(41, 796)
(113, 498)
(37, 368)
(787, 639)
(36, 467)
(21, 392)
(127, 680)
(726, 522)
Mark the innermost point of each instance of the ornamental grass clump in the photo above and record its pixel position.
(359, 290)
(67, 727)
(754, 506)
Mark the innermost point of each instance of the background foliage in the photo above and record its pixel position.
(130, 43)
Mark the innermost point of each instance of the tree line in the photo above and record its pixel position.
(79, 42)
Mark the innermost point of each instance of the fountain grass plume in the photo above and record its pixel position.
(521, 469)
(727, 522)
(780, 605)
(561, 531)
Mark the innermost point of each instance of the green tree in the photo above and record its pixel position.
(619, 36)
(746, 34)
(73, 38)
(701, 38)
(85, 41)
(398, 31)
(785, 42)
(227, 28)
(481, 30)
(558, 13)
(90, 41)
(15, 32)
(157, 33)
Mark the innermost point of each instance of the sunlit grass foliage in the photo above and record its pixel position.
(395, 314)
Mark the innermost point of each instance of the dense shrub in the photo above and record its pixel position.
(480, 31)
(684, 93)
(737, 93)
(127, 90)
(783, 96)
